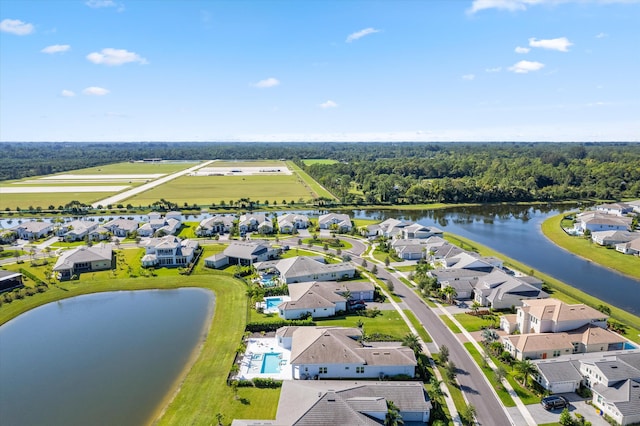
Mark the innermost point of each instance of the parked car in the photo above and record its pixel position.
(554, 402)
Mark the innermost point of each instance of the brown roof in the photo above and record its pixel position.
(557, 311)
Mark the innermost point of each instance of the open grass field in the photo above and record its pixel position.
(558, 289)
(583, 247)
(311, 161)
(204, 190)
(248, 163)
(107, 177)
(312, 185)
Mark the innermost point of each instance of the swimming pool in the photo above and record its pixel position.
(271, 363)
(273, 302)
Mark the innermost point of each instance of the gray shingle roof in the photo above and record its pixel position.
(625, 396)
(560, 371)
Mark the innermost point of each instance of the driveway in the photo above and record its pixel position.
(578, 405)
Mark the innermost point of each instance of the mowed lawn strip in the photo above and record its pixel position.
(559, 290)
(204, 190)
(584, 247)
(502, 392)
(311, 161)
(46, 199)
(419, 327)
(314, 186)
(133, 168)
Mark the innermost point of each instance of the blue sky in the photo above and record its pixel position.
(459, 70)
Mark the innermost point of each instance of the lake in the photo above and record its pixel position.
(105, 358)
(515, 231)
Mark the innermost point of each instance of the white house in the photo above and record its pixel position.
(632, 247)
(122, 227)
(612, 238)
(168, 251)
(595, 221)
(334, 353)
(288, 223)
(33, 229)
(337, 221)
(500, 290)
(618, 209)
(303, 269)
(554, 316)
(167, 226)
(249, 222)
(420, 231)
(218, 224)
(77, 230)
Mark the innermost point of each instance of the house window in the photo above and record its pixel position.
(322, 370)
(360, 370)
(556, 353)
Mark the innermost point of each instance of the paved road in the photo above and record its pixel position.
(489, 410)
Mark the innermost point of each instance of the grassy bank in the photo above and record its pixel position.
(583, 247)
(558, 289)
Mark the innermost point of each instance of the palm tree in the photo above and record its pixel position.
(469, 414)
(489, 336)
(412, 341)
(450, 293)
(475, 306)
(436, 391)
(525, 367)
(393, 417)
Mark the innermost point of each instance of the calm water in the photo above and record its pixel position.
(100, 359)
(515, 231)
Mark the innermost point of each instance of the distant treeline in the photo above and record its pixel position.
(386, 172)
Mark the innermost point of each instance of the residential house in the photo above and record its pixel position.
(618, 209)
(323, 299)
(586, 339)
(10, 280)
(500, 290)
(33, 230)
(166, 226)
(554, 316)
(635, 205)
(242, 253)
(632, 247)
(613, 377)
(320, 402)
(77, 230)
(335, 221)
(300, 269)
(250, 222)
(288, 223)
(334, 353)
(391, 228)
(409, 249)
(168, 251)
(420, 231)
(84, 259)
(594, 221)
(122, 227)
(218, 224)
(176, 215)
(612, 238)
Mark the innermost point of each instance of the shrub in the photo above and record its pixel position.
(274, 325)
(266, 383)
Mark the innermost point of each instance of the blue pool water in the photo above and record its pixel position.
(268, 282)
(271, 363)
(273, 302)
(628, 345)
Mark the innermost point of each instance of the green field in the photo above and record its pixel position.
(204, 190)
(311, 161)
(248, 163)
(311, 184)
(44, 200)
(583, 247)
(133, 168)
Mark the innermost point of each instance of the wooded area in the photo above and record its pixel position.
(387, 173)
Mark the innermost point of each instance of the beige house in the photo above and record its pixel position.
(553, 316)
(84, 259)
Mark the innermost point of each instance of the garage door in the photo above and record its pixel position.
(562, 387)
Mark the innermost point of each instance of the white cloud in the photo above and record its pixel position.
(524, 67)
(515, 5)
(496, 69)
(267, 82)
(113, 57)
(97, 4)
(602, 35)
(359, 34)
(469, 77)
(520, 49)
(16, 26)
(561, 44)
(328, 104)
(95, 91)
(68, 93)
(56, 48)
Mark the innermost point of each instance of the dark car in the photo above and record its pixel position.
(554, 402)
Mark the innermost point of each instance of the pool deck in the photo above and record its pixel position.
(275, 309)
(250, 368)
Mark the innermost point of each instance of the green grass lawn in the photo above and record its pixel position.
(44, 200)
(381, 256)
(407, 268)
(247, 163)
(584, 247)
(454, 328)
(476, 323)
(320, 242)
(311, 161)
(133, 168)
(503, 394)
(311, 184)
(419, 327)
(203, 392)
(558, 289)
(361, 223)
(204, 190)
